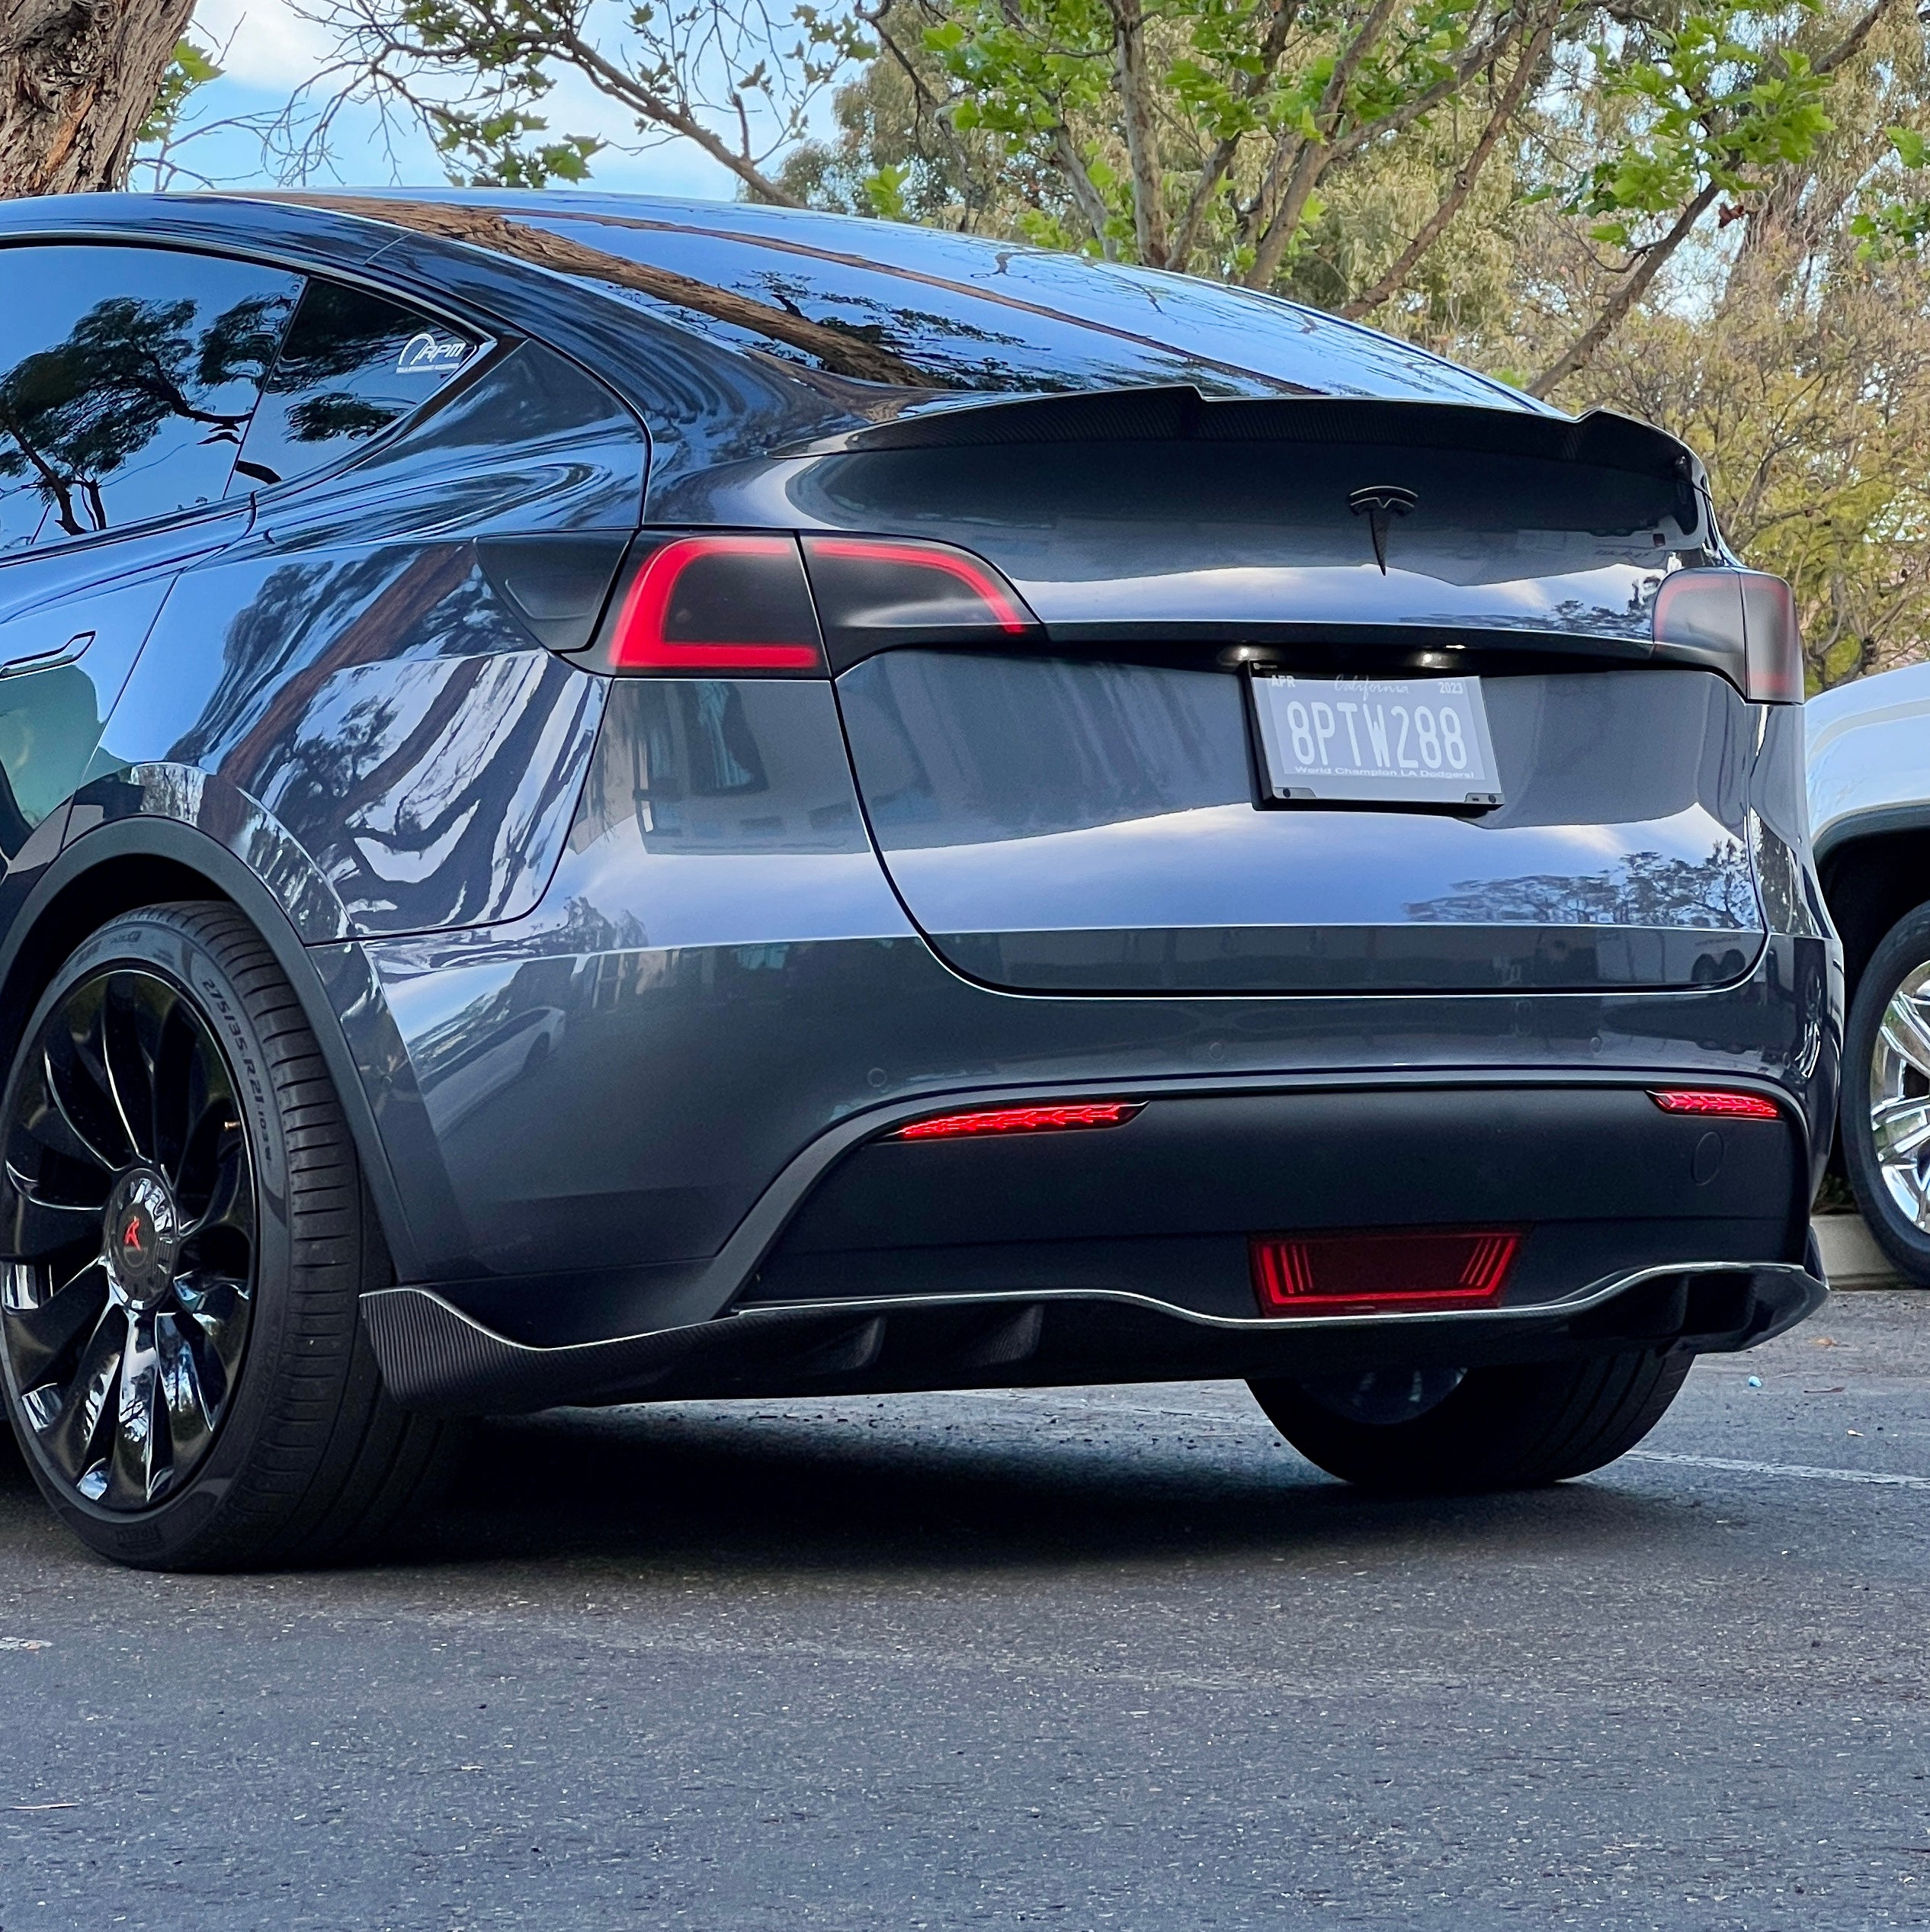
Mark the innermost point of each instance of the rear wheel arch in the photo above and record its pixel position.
(1871, 879)
(148, 862)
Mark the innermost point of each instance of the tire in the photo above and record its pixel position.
(1488, 1429)
(1894, 1196)
(169, 1103)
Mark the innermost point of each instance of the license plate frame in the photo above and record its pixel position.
(1369, 739)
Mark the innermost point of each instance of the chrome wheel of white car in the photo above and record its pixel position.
(1885, 1118)
(1899, 1097)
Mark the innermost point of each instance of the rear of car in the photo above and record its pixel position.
(862, 811)
(1150, 863)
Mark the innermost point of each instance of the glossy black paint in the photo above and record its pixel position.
(1052, 824)
(614, 974)
(373, 685)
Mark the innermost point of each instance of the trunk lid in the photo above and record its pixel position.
(1076, 825)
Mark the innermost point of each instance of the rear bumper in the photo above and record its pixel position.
(1121, 1254)
(437, 1359)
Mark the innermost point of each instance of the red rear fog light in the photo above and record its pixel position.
(1701, 1100)
(1019, 1120)
(1340, 1274)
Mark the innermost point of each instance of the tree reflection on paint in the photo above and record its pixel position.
(73, 415)
(1646, 888)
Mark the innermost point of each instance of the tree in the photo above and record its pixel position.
(78, 80)
(735, 79)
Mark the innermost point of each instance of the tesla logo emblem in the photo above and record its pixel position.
(1381, 503)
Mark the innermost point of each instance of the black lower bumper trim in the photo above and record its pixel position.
(437, 1359)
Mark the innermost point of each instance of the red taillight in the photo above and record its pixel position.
(714, 605)
(1336, 1274)
(1710, 1100)
(1742, 623)
(1019, 1120)
(875, 591)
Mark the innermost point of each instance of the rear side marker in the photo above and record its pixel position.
(1344, 1274)
(1019, 1120)
(1713, 1101)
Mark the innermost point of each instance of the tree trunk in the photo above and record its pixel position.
(78, 78)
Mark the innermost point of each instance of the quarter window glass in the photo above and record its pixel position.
(128, 379)
(352, 365)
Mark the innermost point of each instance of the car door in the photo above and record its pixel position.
(126, 386)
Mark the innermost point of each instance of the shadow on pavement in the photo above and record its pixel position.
(831, 1493)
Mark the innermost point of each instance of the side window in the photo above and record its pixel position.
(127, 378)
(351, 364)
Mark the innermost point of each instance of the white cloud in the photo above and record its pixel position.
(267, 44)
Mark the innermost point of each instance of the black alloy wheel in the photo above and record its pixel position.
(184, 1241)
(125, 1312)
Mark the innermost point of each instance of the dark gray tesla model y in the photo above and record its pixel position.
(608, 800)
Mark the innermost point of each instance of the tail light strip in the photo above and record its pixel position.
(1019, 1120)
(1714, 1102)
(730, 602)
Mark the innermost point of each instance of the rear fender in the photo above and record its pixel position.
(144, 858)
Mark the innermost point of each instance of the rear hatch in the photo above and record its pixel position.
(1100, 811)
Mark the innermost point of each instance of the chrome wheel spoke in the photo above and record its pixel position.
(1906, 1030)
(1901, 1127)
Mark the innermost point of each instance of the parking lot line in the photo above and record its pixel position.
(1806, 1470)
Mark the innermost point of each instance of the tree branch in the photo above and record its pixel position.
(1634, 285)
(1141, 134)
(1078, 179)
(1851, 43)
(1465, 177)
(1214, 170)
(648, 104)
(1312, 159)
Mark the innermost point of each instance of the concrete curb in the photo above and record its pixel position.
(1851, 1257)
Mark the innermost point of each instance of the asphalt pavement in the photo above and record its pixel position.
(1077, 1657)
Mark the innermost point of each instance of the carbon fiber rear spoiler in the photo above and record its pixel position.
(1602, 438)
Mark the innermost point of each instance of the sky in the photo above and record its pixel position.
(267, 49)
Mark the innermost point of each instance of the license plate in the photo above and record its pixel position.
(1420, 741)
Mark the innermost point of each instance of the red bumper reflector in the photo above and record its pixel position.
(1340, 1274)
(1699, 1100)
(1019, 1120)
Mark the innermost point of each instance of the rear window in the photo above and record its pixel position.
(890, 302)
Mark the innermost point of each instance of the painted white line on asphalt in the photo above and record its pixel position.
(1805, 1470)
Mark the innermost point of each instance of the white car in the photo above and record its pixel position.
(1869, 769)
